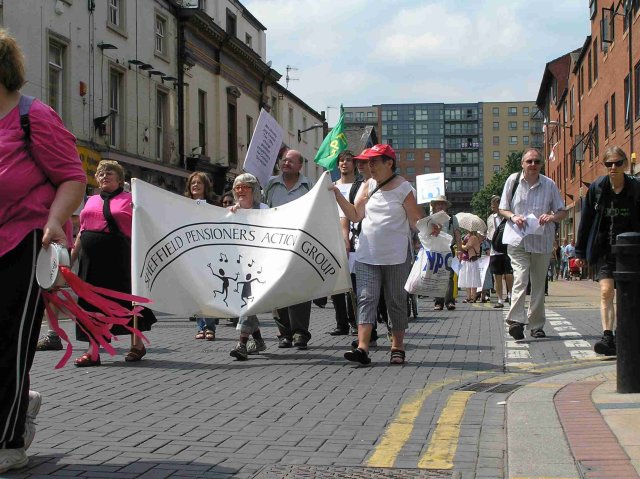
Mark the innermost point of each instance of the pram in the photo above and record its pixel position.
(574, 270)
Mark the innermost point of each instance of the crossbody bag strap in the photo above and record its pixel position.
(380, 185)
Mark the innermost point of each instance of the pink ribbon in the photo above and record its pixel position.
(95, 324)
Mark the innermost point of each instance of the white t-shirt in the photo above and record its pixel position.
(344, 188)
(385, 234)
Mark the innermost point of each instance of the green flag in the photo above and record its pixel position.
(334, 144)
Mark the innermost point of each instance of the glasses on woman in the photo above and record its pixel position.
(610, 164)
(241, 187)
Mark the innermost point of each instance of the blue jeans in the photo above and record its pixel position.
(205, 323)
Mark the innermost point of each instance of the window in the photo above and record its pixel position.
(496, 125)
(636, 99)
(513, 110)
(496, 140)
(513, 140)
(231, 23)
(513, 125)
(595, 59)
(161, 117)
(596, 140)
(202, 121)
(593, 8)
(370, 115)
(627, 103)
(248, 40)
(606, 119)
(589, 70)
(525, 140)
(348, 116)
(161, 32)
(116, 108)
(525, 110)
(56, 76)
(274, 107)
(427, 169)
(411, 170)
(497, 169)
(290, 124)
(427, 156)
(411, 156)
(613, 113)
(496, 111)
(496, 155)
(115, 17)
(525, 124)
(232, 132)
(249, 131)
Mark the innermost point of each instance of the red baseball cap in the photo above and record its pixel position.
(376, 150)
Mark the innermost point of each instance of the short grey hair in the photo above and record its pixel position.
(252, 181)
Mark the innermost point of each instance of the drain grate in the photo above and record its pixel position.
(489, 387)
(351, 472)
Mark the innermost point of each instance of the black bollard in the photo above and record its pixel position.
(627, 278)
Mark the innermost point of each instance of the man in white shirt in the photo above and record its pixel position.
(539, 196)
(499, 263)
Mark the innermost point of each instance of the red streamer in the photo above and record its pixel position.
(95, 324)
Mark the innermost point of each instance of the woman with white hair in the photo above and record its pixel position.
(246, 192)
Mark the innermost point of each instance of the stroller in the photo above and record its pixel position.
(575, 271)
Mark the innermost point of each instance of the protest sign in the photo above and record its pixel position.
(263, 149)
(429, 186)
(205, 260)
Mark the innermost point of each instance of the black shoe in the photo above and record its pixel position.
(516, 331)
(358, 356)
(498, 306)
(339, 332)
(284, 342)
(606, 346)
(538, 333)
(300, 344)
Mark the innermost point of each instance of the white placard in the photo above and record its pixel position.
(263, 150)
(208, 261)
(429, 186)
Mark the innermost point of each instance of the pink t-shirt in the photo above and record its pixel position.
(121, 206)
(28, 181)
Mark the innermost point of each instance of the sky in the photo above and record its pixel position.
(368, 52)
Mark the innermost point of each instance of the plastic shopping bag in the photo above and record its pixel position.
(429, 275)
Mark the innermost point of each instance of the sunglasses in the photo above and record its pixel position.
(610, 164)
(533, 162)
(239, 188)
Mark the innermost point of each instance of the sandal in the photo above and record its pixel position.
(85, 361)
(200, 335)
(451, 306)
(397, 356)
(209, 335)
(438, 307)
(136, 354)
(358, 356)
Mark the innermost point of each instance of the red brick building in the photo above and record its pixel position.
(590, 102)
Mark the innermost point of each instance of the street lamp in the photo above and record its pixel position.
(312, 127)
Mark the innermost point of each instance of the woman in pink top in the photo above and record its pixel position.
(104, 249)
(41, 183)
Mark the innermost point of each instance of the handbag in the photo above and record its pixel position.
(496, 242)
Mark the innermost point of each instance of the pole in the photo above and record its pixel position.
(627, 278)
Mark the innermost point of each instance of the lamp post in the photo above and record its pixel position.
(312, 127)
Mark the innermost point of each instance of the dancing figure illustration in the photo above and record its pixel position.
(225, 283)
(245, 295)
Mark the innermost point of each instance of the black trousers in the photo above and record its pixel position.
(345, 315)
(21, 310)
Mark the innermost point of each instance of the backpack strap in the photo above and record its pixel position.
(24, 105)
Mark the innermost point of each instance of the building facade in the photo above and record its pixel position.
(590, 99)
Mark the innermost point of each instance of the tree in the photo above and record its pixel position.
(481, 201)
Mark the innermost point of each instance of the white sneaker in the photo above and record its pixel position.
(13, 459)
(35, 401)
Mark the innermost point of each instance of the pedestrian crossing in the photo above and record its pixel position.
(518, 353)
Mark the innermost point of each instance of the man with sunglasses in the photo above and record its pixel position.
(538, 195)
(291, 184)
(610, 208)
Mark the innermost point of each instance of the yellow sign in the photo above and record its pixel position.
(90, 160)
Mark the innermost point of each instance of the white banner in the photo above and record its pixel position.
(264, 147)
(429, 186)
(192, 259)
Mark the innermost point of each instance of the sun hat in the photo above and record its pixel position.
(376, 150)
(441, 199)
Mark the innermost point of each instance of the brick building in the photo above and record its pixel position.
(591, 101)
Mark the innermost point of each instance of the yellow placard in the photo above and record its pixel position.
(90, 159)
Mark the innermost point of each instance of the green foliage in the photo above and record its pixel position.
(481, 201)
